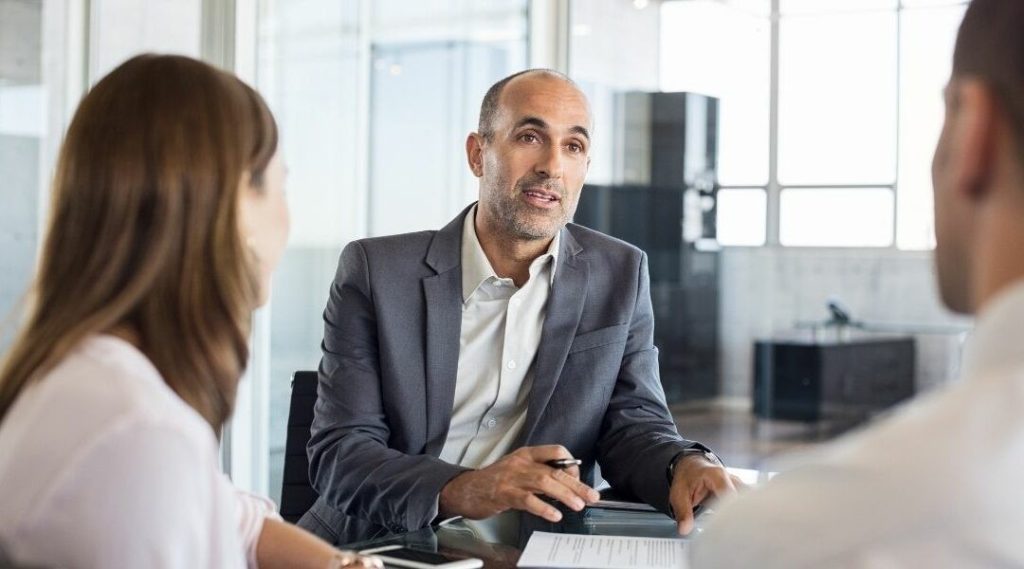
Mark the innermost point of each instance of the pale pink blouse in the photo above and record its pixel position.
(103, 465)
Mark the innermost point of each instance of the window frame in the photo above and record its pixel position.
(774, 188)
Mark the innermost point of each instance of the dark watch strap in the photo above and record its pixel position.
(698, 451)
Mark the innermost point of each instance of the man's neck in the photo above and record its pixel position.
(510, 257)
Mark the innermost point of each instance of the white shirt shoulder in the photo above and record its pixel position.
(933, 485)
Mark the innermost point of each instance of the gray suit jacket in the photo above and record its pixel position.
(387, 378)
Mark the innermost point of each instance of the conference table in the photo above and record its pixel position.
(499, 541)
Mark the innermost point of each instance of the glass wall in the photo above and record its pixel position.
(50, 52)
(365, 158)
(22, 132)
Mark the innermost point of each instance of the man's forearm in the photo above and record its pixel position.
(381, 485)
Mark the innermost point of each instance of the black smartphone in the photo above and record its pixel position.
(401, 556)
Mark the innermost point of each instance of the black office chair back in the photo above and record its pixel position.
(297, 494)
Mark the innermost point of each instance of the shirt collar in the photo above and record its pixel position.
(995, 342)
(476, 268)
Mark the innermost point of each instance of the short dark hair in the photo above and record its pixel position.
(990, 47)
(489, 107)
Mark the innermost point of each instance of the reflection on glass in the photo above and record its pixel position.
(820, 217)
(761, 8)
(23, 132)
(933, 3)
(309, 73)
(723, 51)
(926, 52)
(788, 7)
(837, 99)
(418, 174)
(604, 66)
(741, 217)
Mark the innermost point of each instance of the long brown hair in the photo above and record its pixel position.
(143, 230)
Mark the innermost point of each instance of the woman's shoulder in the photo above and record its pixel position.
(143, 477)
(101, 438)
(106, 379)
(103, 391)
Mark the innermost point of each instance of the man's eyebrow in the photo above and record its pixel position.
(542, 124)
(532, 121)
(581, 131)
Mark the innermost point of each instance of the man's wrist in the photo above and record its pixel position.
(444, 498)
(695, 451)
(447, 498)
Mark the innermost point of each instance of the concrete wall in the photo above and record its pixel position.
(765, 292)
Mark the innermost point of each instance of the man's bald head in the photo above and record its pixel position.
(492, 100)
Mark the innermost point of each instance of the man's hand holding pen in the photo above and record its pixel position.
(516, 482)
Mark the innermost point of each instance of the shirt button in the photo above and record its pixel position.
(491, 423)
(511, 364)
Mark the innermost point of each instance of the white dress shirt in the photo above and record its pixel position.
(937, 484)
(103, 465)
(501, 328)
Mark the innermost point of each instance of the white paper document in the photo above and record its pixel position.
(602, 552)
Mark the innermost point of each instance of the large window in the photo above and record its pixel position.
(374, 100)
(830, 110)
(837, 98)
(927, 34)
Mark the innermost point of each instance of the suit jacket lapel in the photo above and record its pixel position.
(442, 295)
(565, 305)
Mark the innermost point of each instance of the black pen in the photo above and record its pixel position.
(562, 463)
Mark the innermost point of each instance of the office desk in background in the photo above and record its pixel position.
(499, 541)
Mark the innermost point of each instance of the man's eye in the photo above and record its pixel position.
(528, 138)
(575, 148)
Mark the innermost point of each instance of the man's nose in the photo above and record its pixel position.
(550, 163)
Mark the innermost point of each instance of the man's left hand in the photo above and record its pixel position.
(697, 479)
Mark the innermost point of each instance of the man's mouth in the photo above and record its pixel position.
(541, 198)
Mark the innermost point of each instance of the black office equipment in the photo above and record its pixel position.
(843, 381)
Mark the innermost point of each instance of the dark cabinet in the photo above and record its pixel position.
(813, 381)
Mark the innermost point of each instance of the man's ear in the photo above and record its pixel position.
(474, 153)
(975, 136)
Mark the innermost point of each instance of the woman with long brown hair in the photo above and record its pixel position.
(168, 217)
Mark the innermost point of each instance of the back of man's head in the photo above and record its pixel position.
(990, 47)
(978, 169)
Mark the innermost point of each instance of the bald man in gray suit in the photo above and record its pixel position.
(459, 363)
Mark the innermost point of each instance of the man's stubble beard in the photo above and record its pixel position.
(511, 215)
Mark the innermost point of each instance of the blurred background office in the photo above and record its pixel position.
(796, 172)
